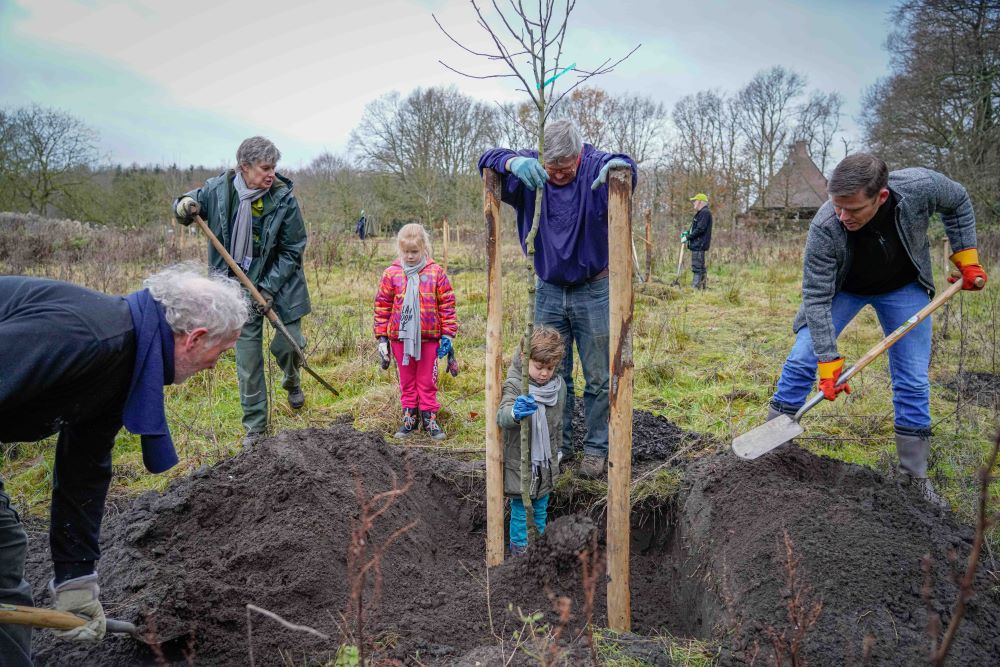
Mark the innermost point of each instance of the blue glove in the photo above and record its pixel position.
(602, 177)
(524, 405)
(530, 171)
(444, 347)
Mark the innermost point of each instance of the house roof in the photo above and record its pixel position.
(798, 184)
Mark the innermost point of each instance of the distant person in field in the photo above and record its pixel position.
(415, 322)
(252, 210)
(868, 245)
(361, 228)
(543, 405)
(83, 364)
(699, 238)
(571, 260)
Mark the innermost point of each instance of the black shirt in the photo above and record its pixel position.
(879, 261)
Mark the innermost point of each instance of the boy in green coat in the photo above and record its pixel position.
(543, 405)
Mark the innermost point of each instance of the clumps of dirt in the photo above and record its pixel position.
(654, 438)
(859, 539)
(979, 387)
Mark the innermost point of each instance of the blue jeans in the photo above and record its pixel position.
(519, 519)
(908, 358)
(580, 313)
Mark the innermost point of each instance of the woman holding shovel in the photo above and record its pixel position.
(868, 245)
(252, 211)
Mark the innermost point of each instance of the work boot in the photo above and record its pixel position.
(517, 549)
(431, 427)
(913, 451)
(296, 398)
(592, 467)
(251, 438)
(409, 424)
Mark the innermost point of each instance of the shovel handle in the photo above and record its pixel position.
(40, 617)
(888, 342)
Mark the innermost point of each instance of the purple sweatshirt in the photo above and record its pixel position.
(572, 241)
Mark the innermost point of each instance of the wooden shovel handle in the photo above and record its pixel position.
(39, 617)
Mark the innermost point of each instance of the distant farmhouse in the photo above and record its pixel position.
(793, 195)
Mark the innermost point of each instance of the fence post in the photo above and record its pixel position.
(494, 370)
(620, 398)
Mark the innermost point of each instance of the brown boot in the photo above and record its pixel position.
(592, 467)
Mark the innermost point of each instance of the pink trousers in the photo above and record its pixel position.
(418, 379)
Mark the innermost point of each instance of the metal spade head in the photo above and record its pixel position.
(766, 437)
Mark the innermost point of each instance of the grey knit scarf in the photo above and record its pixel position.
(541, 446)
(241, 245)
(409, 319)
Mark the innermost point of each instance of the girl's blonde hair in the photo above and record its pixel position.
(414, 230)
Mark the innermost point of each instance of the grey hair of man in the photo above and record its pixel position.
(562, 140)
(193, 300)
(257, 150)
(856, 173)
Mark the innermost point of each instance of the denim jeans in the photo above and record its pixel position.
(250, 367)
(908, 358)
(519, 518)
(15, 640)
(580, 313)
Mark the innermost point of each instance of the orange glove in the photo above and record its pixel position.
(829, 373)
(967, 262)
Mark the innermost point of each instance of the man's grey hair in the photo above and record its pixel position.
(856, 173)
(257, 150)
(193, 300)
(562, 140)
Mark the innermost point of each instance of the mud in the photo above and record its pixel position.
(272, 528)
(654, 438)
(979, 387)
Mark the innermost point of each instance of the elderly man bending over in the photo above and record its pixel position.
(83, 364)
(571, 260)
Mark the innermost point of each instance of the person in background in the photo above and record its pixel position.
(361, 229)
(571, 262)
(415, 322)
(868, 245)
(253, 212)
(83, 364)
(699, 238)
(543, 405)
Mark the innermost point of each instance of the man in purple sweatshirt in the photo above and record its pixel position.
(571, 261)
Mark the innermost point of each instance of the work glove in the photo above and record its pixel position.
(530, 172)
(524, 405)
(452, 363)
(383, 351)
(444, 347)
(967, 262)
(684, 238)
(80, 596)
(185, 210)
(602, 177)
(829, 373)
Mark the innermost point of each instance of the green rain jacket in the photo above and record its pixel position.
(279, 240)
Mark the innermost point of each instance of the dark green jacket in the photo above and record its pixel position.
(281, 244)
(512, 434)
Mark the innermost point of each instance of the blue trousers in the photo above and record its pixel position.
(519, 519)
(909, 358)
(580, 313)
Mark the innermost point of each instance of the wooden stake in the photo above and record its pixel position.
(620, 398)
(649, 243)
(444, 250)
(494, 370)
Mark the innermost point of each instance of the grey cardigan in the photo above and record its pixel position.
(920, 193)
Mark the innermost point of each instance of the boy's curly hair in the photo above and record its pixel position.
(546, 346)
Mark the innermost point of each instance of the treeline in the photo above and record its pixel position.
(413, 157)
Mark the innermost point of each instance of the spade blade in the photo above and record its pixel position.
(766, 437)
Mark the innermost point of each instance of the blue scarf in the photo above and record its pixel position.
(154, 367)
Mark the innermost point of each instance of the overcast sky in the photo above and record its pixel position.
(184, 81)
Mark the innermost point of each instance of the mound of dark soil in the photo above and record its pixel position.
(654, 438)
(979, 387)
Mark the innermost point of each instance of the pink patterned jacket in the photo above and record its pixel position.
(437, 302)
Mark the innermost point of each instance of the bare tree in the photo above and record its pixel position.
(818, 124)
(637, 126)
(589, 109)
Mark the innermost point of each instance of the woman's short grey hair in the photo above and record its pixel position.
(562, 140)
(857, 172)
(257, 150)
(193, 300)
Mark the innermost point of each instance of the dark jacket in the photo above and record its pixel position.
(66, 361)
(278, 251)
(572, 241)
(700, 234)
(512, 434)
(919, 193)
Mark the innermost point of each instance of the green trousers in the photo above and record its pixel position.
(250, 367)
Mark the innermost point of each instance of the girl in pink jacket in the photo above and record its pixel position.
(415, 319)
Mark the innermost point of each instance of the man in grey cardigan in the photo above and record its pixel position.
(868, 245)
